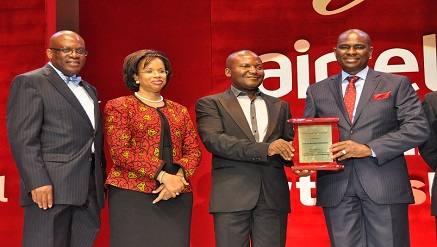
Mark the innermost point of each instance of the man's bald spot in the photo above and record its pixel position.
(356, 31)
(62, 35)
(230, 60)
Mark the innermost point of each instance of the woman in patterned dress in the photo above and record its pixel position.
(155, 150)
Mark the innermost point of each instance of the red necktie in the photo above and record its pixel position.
(350, 96)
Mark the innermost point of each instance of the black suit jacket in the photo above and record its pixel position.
(240, 164)
(428, 150)
(50, 136)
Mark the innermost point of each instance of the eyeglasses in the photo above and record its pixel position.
(151, 71)
(67, 50)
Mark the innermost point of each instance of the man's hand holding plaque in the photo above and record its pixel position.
(282, 147)
(349, 149)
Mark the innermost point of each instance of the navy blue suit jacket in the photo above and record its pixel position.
(389, 119)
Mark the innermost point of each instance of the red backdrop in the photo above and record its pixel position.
(297, 38)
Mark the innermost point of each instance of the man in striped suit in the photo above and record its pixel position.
(366, 204)
(428, 150)
(55, 134)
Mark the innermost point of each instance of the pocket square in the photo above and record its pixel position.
(381, 96)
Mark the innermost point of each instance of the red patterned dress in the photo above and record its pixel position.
(140, 149)
(133, 133)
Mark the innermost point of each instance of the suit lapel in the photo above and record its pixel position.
(273, 107)
(92, 94)
(335, 88)
(232, 106)
(372, 81)
(64, 90)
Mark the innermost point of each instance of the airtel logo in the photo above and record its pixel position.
(285, 71)
(320, 7)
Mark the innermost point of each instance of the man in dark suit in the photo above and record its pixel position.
(428, 150)
(250, 140)
(366, 204)
(55, 134)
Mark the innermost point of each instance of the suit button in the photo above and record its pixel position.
(351, 132)
(90, 159)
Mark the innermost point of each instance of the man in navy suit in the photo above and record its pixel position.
(366, 204)
(55, 134)
(250, 140)
(428, 150)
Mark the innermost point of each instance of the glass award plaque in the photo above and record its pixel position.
(312, 139)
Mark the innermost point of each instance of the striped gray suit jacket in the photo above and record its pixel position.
(428, 150)
(50, 136)
(389, 119)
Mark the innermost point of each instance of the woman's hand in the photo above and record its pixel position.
(174, 183)
(163, 194)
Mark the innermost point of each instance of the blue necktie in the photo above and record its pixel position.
(74, 79)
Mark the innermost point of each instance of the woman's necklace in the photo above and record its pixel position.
(151, 101)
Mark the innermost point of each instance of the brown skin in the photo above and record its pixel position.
(68, 64)
(151, 84)
(353, 51)
(246, 72)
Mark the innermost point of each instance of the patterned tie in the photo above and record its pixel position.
(350, 96)
(74, 79)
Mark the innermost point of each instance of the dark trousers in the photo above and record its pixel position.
(259, 227)
(63, 225)
(358, 221)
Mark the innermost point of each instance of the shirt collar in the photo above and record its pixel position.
(238, 92)
(64, 77)
(362, 74)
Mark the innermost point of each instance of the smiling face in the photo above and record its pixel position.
(68, 63)
(245, 70)
(152, 76)
(353, 51)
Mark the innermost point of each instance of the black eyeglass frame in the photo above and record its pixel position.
(67, 50)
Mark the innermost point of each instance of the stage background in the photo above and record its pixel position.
(298, 38)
